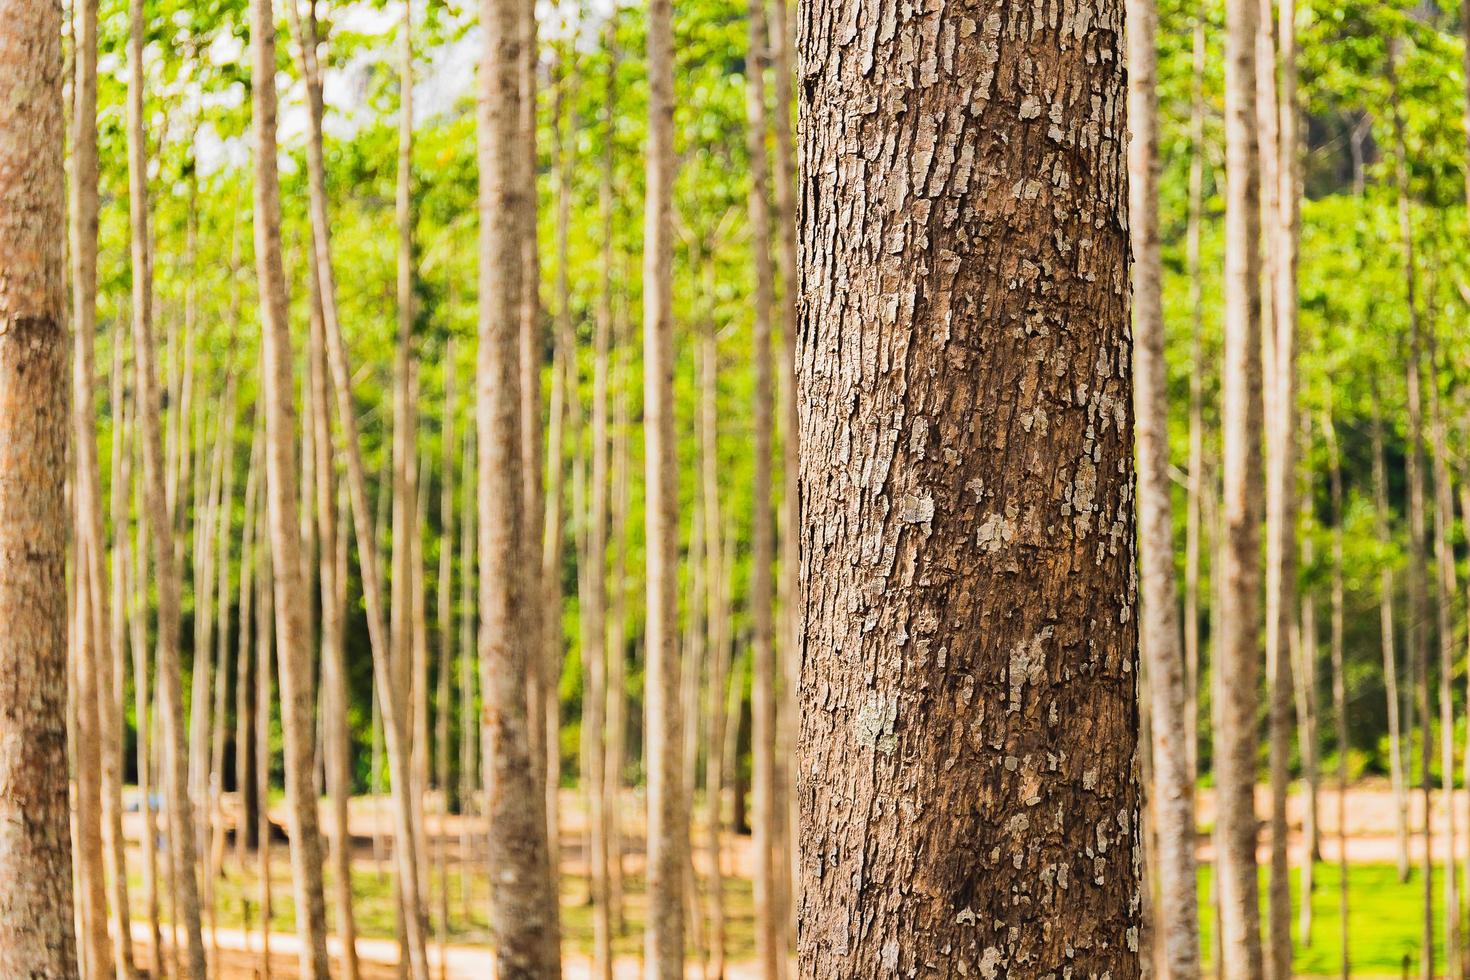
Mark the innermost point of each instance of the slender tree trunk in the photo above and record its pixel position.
(393, 722)
(1237, 651)
(920, 524)
(166, 576)
(444, 597)
(523, 913)
(1418, 616)
(1303, 649)
(36, 929)
(468, 775)
(768, 929)
(617, 654)
(1339, 689)
(663, 727)
(336, 734)
(1177, 912)
(291, 599)
(1195, 487)
(709, 467)
(1386, 640)
(251, 546)
(266, 649)
(223, 530)
(144, 718)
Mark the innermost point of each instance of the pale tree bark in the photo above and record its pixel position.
(617, 698)
(283, 509)
(668, 836)
(1386, 640)
(166, 576)
(1176, 924)
(789, 642)
(1418, 615)
(1446, 589)
(393, 720)
(1339, 689)
(1195, 485)
(767, 797)
(36, 929)
(99, 761)
(715, 625)
(962, 612)
(595, 636)
(523, 911)
(1237, 651)
(335, 731)
(1276, 127)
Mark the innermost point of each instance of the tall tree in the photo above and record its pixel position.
(183, 853)
(769, 931)
(36, 935)
(963, 612)
(1236, 650)
(523, 912)
(1195, 488)
(1177, 912)
(293, 635)
(668, 837)
(1339, 688)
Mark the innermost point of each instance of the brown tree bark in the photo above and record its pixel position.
(36, 933)
(967, 542)
(523, 912)
(1176, 927)
(283, 508)
(1237, 650)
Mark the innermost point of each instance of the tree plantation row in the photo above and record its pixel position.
(944, 489)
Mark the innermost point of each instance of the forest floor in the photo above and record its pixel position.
(1385, 911)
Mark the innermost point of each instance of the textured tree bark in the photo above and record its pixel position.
(766, 795)
(283, 509)
(1415, 641)
(37, 939)
(1237, 648)
(1176, 915)
(668, 837)
(969, 713)
(156, 506)
(522, 897)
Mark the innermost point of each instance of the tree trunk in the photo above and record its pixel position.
(1303, 644)
(523, 913)
(1195, 486)
(617, 652)
(1381, 514)
(166, 575)
(444, 597)
(1237, 650)
(1177, 913)
(1415, 641)
(668, 835)
(266, 650)
(961, 611)
(252, 545)
(36, 929)
(291, 598)
(144, 717)
(1339, 688)
(468, 774)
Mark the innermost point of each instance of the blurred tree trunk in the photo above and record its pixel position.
(157, 507)
(617, 654)
(444, 598)
(1195, 485)
(251, 546)
(1339, 686)
(1381, 514)
(1303, 649)
(523, 910)
(668, 836)
(1237, 651)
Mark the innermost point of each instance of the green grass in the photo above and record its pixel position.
(1385, 920)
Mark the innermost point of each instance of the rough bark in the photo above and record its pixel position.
(522, 909)
(1176, 926)
(1237, 650)
(966, 486)
(36, 930)
(283, 508)
(156, 506)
